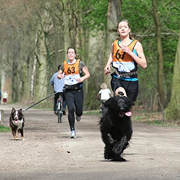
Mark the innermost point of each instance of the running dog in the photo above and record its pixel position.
(16, 123)
(115, 126)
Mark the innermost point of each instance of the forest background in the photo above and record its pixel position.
(35, 35)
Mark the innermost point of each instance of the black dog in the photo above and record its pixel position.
(116, 127)
(16, 123)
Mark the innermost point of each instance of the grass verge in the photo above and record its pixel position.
(92, 113)
(4, 128)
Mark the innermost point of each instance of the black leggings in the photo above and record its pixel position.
(74, 101)
(131, 87)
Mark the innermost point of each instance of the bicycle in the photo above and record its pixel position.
(103, 109)
(59, 106)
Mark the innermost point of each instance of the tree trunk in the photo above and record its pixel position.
(56, 43)
(41, 89)
(172, 112)
(33, 77)
(66, 26)
(2, 70)
(41, 52)
(160, 55)
(113, 17)
(15, 78)
(2, 83)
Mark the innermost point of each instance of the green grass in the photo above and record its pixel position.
(42, 108)
(161, 123)
(4, 129)
(92, 113)
(152, 118)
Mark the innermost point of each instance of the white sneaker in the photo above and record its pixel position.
(73, 134)
(78, 118)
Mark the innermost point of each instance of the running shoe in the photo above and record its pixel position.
(73, 134)
(64, 112)
(78, 118)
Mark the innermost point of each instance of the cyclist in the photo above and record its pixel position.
(58, 85)
(75, 72)
(103, 95)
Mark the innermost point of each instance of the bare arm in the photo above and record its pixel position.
(140, 59)
(107, 68)
(98, 96)
(86, 76)
(60, 74)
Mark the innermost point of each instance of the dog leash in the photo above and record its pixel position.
(124, 75)
(39, 101)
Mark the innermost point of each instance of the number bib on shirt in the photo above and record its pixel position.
(71, 72)
(122, 61)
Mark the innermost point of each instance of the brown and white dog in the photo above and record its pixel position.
(16, 123)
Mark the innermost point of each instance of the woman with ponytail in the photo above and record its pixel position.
(125, 57)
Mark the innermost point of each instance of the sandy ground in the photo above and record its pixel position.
(48, 153)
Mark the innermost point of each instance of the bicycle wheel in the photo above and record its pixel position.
(59, 117)
(59, 114)
(59, 108)
(103, 110)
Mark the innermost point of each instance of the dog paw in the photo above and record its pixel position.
(15, 138)
(108, 157)
(119, 158)
(111, 140)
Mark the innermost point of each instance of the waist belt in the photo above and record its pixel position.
(125, 74)
(73, 87)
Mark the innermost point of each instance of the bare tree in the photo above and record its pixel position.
(160, 55)
(113, 17)
(172, 112)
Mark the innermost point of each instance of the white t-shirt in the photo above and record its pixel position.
(5, 95)
(105, 94)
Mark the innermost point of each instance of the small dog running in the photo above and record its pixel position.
(16, 123)
(116, 128)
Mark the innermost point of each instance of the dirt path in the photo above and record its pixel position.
(48, 153)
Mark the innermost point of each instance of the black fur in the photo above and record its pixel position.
(16, 123)
(116, 128)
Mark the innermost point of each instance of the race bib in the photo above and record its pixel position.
(71, 79)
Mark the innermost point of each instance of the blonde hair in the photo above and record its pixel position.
(103, 86)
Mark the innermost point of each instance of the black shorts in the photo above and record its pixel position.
(131, 87)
